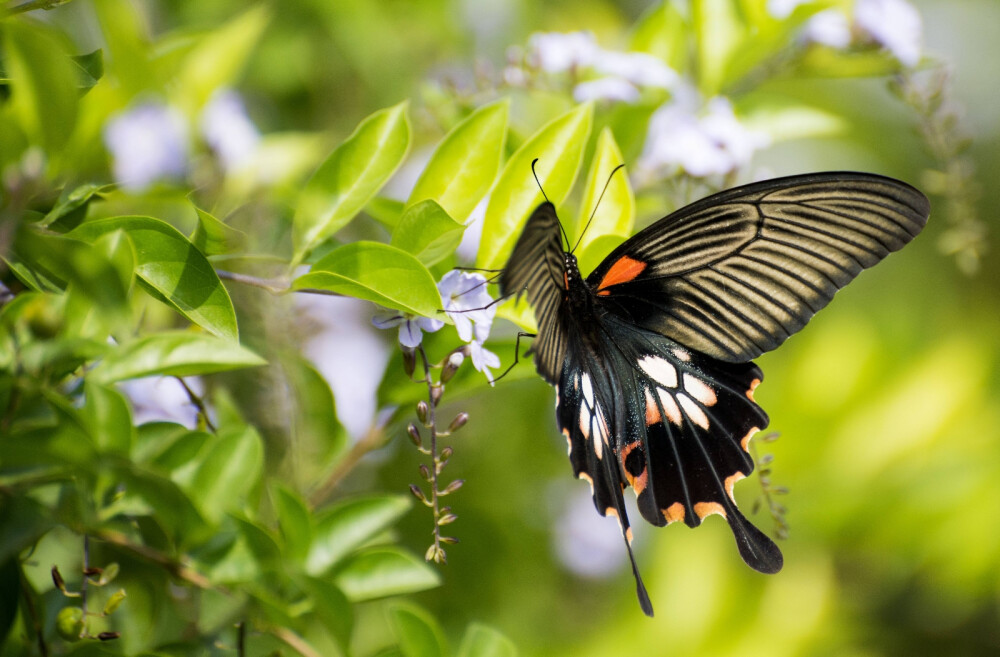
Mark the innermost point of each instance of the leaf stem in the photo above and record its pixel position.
(436, 552)
(198, 403)
(35, 4)
(273, 285)
(372, 440)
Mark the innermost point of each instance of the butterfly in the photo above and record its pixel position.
(651, 354)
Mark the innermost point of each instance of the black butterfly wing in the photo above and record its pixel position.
(735, 274)
(590, 416)
(536, 268)
(682, 444)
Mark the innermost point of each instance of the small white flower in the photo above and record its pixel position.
(639, 68)
(829, 27)
(556, 52)
(162, 399)
(894, 24)
(228, 129)
(483, 360)
(147, 143)
(410, 328)
(468, 303)
(713, 144)
(609, 88)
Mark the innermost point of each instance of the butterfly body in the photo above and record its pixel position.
(651, 353)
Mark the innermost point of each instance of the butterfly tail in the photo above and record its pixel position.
(640, 588)
(758, 551)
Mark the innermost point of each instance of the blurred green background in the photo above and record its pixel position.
(887, 404)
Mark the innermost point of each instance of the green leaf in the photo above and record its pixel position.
(719, 31)
(110, 418)
(332, 608)
(219, 57)
(89, 68)
(559, 148)
(294, 521)
(428, 232)
(319, 437)
(383, 572)
(170, 506)
(173, 353)
(229, 471)
(347, 525)
(596, 252)
(213, 236)
(377, 272)
(386, 211)
(174, 269)
(465, 163)
(662, 31)
(71, 208)
(44, 94)
(484, 641)
(614, 214)
(350, 177)
(417, 633)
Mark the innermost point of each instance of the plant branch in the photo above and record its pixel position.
(198, 403)
(36, 623)
(174, 567)
(295, 641)
(371, 441)
(35, 4)
(272, 285)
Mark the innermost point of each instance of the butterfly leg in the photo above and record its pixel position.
(517, 350)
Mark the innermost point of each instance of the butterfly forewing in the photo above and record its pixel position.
(735, 274)
(536, 269)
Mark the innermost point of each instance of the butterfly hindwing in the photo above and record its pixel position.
(684, 446)
(735, 274)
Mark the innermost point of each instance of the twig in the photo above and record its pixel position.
(36, 623)
(272, 285)
(174, 567)
(198, 403)
(436, 549)
(241, 639)
(295, 641)
(83, 584)
(371, 441)
(35, 4)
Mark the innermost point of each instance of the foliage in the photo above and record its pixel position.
(250, 523)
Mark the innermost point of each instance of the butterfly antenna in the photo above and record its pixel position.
(539, 183)
(596, 205)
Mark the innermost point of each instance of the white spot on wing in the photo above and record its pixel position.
(588, 389)
(699, 390)
(692, 410)
(670, 408)
(584, 421)
(660, 370)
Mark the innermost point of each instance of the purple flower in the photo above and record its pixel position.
(483, 360)
(468, 303)
(147, 143)
(410, 328)
(228, 130)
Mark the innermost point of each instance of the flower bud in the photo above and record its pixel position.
(453, 486)
(459, 421)
(417, 493)
(436, 392)
(422, 411)
(425, 472)
(409, 361)
(451, 365)
(414, 434)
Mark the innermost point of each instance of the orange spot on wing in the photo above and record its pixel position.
(703, 509)
(624, 270)
(674, 512)
(731, 481)
(745, 443)
(753, 386)
(652, 411)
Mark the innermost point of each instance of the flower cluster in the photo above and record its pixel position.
(601, 74)
(150, 142)
(892, 24)
(469, 305)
